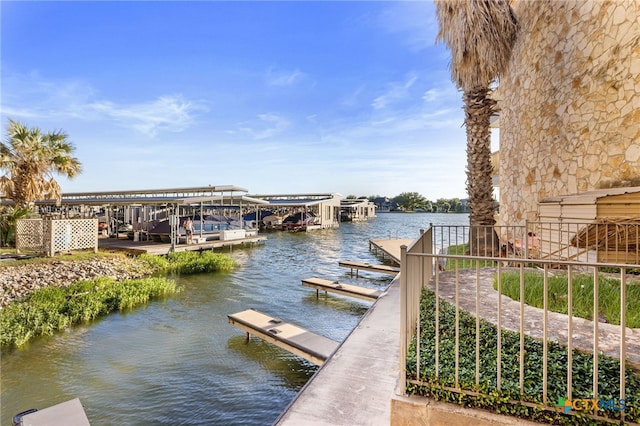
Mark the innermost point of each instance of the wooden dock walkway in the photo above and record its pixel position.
(390, 248)
(297, 340)
(362, 266)
(342, 288)
(151, 247)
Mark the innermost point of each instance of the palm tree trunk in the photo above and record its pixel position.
(479, 108)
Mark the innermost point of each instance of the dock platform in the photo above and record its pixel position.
(152, 247)
(361, 266)
(390, 247)
(310, 346)
(342, 288)
(63, 414)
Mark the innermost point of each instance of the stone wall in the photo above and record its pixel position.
(570, 102)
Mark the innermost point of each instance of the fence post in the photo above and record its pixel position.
(94, 226)
(18, 235)
(427, 248)
(404, 329)
(50, 248)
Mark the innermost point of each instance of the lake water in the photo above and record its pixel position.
(179, 361)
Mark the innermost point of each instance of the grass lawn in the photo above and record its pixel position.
(582, 295)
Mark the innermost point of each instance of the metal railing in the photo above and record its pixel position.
(457, 275)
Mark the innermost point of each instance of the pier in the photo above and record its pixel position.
(361, 266)
(152, 247)
(389, 248)
(356, 384)
(341, 288)
(310, 346)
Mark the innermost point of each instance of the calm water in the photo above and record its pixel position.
(178, 361)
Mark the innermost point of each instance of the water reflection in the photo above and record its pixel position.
(348, 305)
(294, 371)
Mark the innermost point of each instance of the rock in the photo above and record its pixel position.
(17, 281)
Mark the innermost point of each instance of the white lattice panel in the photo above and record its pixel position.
(30, 234)
(55, 236)
(73, 234)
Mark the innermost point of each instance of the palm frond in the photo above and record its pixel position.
(480, 35)
(29, 158)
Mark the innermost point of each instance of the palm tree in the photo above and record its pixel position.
(480, 35)
(29, 159)
(8, 218)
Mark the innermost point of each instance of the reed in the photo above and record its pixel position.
(192, 262)
(51, 309)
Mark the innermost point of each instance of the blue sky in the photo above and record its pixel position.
(276, 97)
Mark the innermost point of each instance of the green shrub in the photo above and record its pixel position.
(194, 262)
(51, 309)
(501, 400)
(155, 263)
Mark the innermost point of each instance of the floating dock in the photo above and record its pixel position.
(358, 266)
(310, 346)
(342, 288)
(63, 414)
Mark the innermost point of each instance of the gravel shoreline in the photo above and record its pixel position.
(17, 281)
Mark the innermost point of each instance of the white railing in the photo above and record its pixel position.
(461, 298)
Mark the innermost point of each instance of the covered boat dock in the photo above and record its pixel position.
(157, 215)
(304, 212)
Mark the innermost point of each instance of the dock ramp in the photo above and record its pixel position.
(310, 346)
(342, 288)
(358, 266)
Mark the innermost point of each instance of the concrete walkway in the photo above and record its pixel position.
(356, 385)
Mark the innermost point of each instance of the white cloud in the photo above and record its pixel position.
(266, 126)
(353, 99)
(167, 114)
(397, 91)
(414, 21)
(45, 99)
(283, 78)
(33, 97)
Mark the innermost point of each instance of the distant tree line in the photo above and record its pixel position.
(415, 202)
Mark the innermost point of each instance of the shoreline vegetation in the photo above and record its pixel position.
(43, 296)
